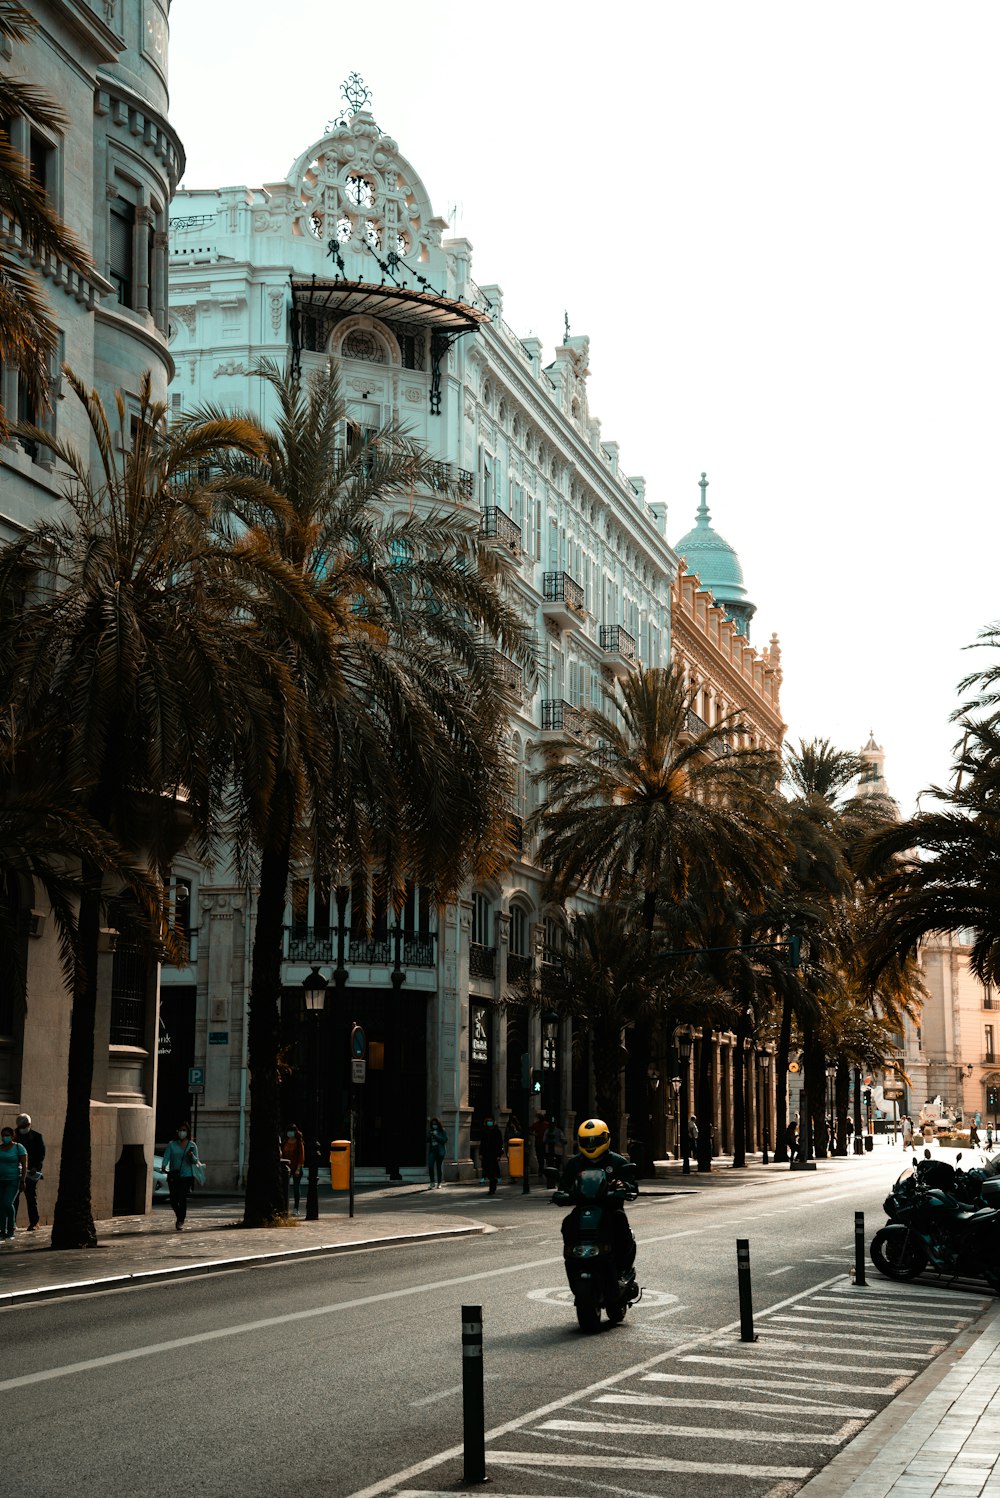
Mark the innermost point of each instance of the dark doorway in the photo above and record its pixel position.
(175, 1054)
(130, 1182)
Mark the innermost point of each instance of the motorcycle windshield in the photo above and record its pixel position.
(591, 1185)
(905, 1175)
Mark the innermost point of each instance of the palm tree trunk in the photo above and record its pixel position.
(607, 1083)
(264, 1197)
(842, 1090)
(704, 1110)
(858, 1123)
(781, 1083)
(73, 1215)
(739, 1091)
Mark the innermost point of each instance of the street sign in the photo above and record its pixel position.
(793, 1067)
(893, 1093)
(197, 1089)
(196, 1077)
(358, 1043)
(358, 1071)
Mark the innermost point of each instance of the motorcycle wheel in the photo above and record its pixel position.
(589, 1316)
(616, 1314)
(897, 1254)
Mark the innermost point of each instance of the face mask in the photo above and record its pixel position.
(290, 1134)
(8, 1139)
(182, 1133)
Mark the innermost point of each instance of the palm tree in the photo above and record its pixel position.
(391, 757)
(128, 638)
(28, 334)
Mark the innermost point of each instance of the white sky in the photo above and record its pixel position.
(777, 223)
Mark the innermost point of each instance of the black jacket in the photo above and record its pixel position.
(615, 1167)
(35, 1145)
(491, 1143)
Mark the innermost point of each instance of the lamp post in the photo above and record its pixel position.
(764, 1064)
(684, 1040)
(831, 1073)
(314, 989)
(675, 1083)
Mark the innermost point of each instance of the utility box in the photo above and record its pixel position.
(340, 1164)
(515, 1158)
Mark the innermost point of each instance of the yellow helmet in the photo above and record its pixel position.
(594, 1137)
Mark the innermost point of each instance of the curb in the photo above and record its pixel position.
(220, 1266)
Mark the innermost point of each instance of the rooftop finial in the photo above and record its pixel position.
(355, 92)
(703, 507)
(565, 327)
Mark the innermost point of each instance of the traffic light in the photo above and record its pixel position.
(536, 1080)
(993, 1098)
(867, 1095)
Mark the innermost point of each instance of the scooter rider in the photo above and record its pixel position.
(594, 1140)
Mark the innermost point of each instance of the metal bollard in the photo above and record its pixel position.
(859, 1249)
(747, 1333)
(473, 1409)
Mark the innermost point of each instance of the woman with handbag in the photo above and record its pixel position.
(183, 1168)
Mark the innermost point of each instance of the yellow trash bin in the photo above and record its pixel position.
(515, 1158)
(340, 1164)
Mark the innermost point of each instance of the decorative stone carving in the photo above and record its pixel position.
(187, 315)
(277, 303)
(413, 395)
(229, 367)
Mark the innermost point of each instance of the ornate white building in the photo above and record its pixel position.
(346, 258)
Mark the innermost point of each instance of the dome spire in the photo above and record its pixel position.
(703, 515)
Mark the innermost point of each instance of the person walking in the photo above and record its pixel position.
(554, 1144)
(513, 1130)
(179, 1160)
(490, 1150)
(35, 1145)
(908, 1133)
(792, 1141)
(437, 1143)
(293, 1149)
(538, 1128)
(13, 1169)
(692, 1130)
(989, 1136)
(974, 1140)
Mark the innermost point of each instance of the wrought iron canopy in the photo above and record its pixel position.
(333, 294)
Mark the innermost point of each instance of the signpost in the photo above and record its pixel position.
(359, 1052)
(196, 1089)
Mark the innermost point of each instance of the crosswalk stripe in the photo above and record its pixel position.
(702, 1432)
(789, 1344)
(637, 1464)
(907, 1316)
(771, 1363)
(747, 1406)
(814, 1322)
(778, 1380)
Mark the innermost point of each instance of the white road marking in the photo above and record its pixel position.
(785, 1269)
(813, 1322)
(702, 1432)
(747, 1406)
(773, 1363)
(628, 1464)
(779, 1379)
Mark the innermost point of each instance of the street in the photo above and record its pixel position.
(342, 1376)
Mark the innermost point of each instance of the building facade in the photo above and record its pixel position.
(346, 259)
(110, 175)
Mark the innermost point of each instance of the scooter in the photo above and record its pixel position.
(929, 1225)
(597, 1280)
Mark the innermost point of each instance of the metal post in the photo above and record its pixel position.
(350, 1198)
(473, 1408)
(526, 1129)
(747, 1333)
(312, 1188)
(859, 1249)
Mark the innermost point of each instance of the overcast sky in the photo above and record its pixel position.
(777, 223)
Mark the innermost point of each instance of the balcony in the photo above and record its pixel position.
(562, 600)
(506, 673)
(561, 717)
(515, 832)
(518, 968)
(482, 961)
(447, 477)
(695, 726)
(416, 948)
(619, 647)
(496, 525)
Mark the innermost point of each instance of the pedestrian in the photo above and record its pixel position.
(849, 1129)
(554, 1144)
(692, 1132)
(513, 1130)
(293, 1149)
(179, 1160)
(13, 1168)
(538, 1128)
(437, 1143)
(974, 1140)
(490, 1150)
(35, 1145)
(989, 1136)
(792, 1140)
(908, 1133)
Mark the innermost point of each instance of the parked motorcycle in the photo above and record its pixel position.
(596, 1277)
(932, 1225)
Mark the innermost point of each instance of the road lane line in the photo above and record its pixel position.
(631, 1464)
(780, 1379)
(386, 1484)
(785, 1269)
(701, 1432)
(746, 1406)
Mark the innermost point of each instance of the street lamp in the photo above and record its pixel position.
(684, 1041)
(314, 989)
(831, 1073)
(675, 1083)
(764, 1063)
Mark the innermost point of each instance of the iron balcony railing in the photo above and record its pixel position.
(618, 641)
(518, 968)
(445, 476)
(515, 832)
(505, 671)
(496, 525)
(416, 948)
(562, 717)
(559, 587)
(482, 961)
(696, 726)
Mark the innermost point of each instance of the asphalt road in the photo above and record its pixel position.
(342, 1376)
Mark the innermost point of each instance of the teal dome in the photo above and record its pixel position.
(717, 565)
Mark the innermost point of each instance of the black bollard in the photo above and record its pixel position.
(859, 1249)
(473, 1409)
(747, 1333)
